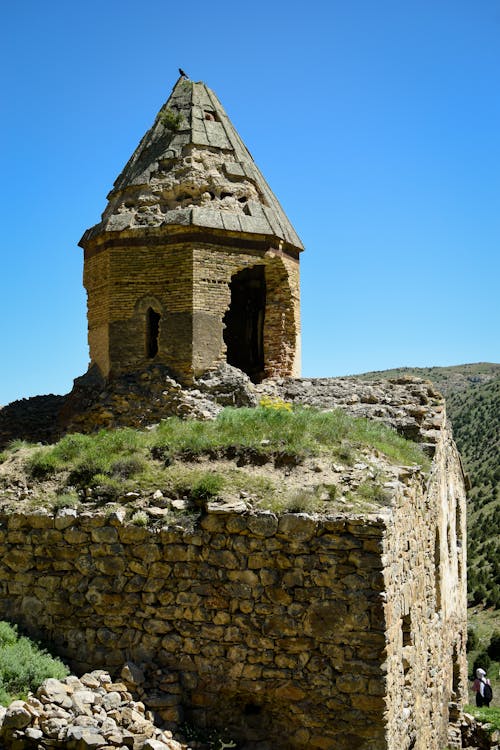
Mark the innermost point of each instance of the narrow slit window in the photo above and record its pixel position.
(152, 332)
(437, 569)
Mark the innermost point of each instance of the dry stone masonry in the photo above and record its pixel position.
(293, 631)
(335, 631)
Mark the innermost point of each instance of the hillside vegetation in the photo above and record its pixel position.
(446, 379)
(475, 415)
(473, 405)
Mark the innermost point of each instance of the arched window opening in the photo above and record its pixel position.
(244, 322)
(152, 332)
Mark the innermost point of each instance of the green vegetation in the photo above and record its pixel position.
(171, 120)
(139, 518)
(489, 716)
(23, 665)
(483, 646)
(298, 433)
(195, 461)
(475, 415)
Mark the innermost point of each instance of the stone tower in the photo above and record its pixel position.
(194, 262)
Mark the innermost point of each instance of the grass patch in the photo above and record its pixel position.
(302, 501)
(301, 432)
(208, 486)
(372, 492)
(24, 665)
(66, 500)
(111, 463)
(489, 716)
(139, 518)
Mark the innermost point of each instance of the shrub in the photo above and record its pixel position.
(493, 649)
(24, 665)
(482, 660)
(42, 464)
(84, 472)
(207, 486)
(171, 120)
(67, 500)
(107, 489)
(125, 468)
(472, 639)
(139, 518)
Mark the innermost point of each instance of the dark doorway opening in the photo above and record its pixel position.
(152, 332)
(244, 322)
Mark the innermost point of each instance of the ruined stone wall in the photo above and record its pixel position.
(275, 626)
(330, 632)
(425, 609)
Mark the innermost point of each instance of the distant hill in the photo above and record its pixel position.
(446, 379)
(473, 405)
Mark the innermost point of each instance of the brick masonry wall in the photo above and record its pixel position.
(213, 270)
(298, 631)
(188, 285)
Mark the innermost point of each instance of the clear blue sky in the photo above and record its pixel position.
(377, 125)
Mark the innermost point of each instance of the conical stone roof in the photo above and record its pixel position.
(192, 169)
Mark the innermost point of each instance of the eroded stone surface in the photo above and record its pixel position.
(194, 263)
(192, 168)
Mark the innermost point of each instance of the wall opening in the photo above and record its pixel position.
(406, 630)
(456, 672)
(458, 532)
(244, 322)
(437, 568)
(152, 332)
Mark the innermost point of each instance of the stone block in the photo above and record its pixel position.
(263, 525)
(298, 527)
(104, 535)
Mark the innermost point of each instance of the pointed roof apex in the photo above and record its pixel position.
(192, 169)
